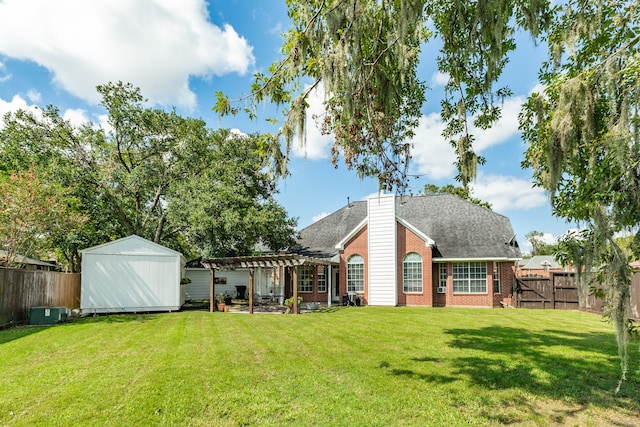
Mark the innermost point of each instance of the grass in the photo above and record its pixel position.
(368, 366)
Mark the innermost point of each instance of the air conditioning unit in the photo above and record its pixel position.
(442, 289)
(47, 315)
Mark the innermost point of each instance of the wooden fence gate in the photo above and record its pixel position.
(557, 292)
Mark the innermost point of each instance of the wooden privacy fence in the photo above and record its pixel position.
(560, 292)
(22, 289)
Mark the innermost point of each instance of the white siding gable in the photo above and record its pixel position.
(382, 250)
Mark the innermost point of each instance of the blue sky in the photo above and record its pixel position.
(181, 52)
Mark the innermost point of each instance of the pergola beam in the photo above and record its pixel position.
(263, 261)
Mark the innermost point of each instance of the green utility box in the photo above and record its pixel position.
(47, 315)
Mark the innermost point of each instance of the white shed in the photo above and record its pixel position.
(131, 274)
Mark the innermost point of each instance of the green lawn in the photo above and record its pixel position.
(346, 366)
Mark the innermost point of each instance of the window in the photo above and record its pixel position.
(442, 279)
(355, 274)
(412, 273)
(322, 278)
(496, 279)
(470, 277)
(305, 278)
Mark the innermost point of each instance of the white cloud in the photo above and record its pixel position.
(318, 217)
(77, 117)
(154, 44)
(315, 145)
(16, 103)
(103, 122)
(538, 88)
(34, 96)
(503, 129)
(439, 79)
(548, 239)
(432, 154)
(434, 157)
(237, 132)
(4, 75)
(508, 193)
(277, 29)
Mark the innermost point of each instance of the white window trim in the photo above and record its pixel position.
(302, 277)
(468, 279)
(361, 265)
(442, 278)
(496, 278)
(322, 279)
(404, 277)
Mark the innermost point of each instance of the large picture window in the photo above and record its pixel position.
(355, 274)
(470, 277)
(305, 278)
(412, 273)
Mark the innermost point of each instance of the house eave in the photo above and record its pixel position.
(352, 233)
(463, 259)
(427, 240)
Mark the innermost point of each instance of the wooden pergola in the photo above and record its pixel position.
(261, 261)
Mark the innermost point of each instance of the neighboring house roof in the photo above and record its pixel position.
(539, 261)
(26, 260)
(458, 228)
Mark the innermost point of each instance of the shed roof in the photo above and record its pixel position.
(131, 245)
(458, 228)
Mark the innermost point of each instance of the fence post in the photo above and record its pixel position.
(553, 290)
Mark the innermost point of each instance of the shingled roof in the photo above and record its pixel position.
(460, 229)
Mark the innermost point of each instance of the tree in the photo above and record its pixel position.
(58, 150)
(538, 245)
(147, 172)
(228, 207)
(32, 213)
(462, 192)
(584, 142)
(365, 54)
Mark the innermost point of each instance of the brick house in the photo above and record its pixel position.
(436, 250)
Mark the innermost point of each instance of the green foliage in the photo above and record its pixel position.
(539, 247)
(289, 301)
(462, 192)
(625, 243)
(584, 144)
(364, 55)
(227, 207)
(33, 213)
(477, 38)
(152, 173)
